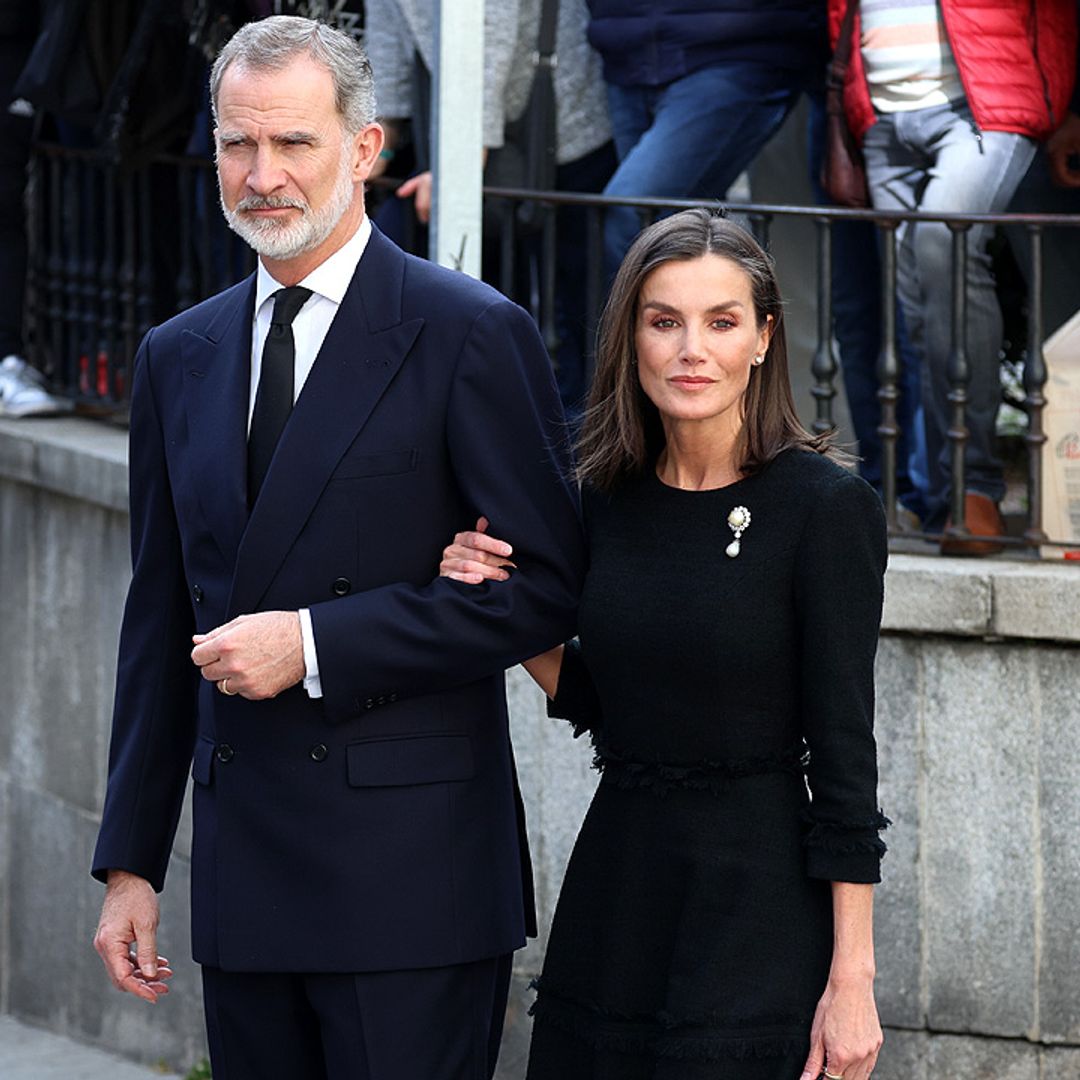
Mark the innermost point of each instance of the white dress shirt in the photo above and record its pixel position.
(328, 283)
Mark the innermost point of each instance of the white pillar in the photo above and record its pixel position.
(457, 134)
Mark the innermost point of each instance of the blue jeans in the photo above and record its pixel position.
(690, 138)
(936, 160)
(857, 324)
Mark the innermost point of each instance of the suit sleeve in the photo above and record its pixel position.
(840, 567)
(506, 441)
(153, 728)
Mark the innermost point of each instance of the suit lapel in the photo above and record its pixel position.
(362, 353)
(217, 374)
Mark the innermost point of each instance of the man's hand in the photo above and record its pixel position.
(129, 916)
(260, 654)
(1060, 147)
(420, 186)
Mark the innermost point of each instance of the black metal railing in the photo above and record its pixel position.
(112, 252)
(824, 365)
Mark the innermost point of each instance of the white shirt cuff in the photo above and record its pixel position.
(312, 683)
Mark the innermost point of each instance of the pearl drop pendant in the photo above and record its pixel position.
(738, 521)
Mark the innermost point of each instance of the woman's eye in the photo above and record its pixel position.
(723, 324)
(664, 323)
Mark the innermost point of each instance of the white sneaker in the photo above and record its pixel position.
(24, 392)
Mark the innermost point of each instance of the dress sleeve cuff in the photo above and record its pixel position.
(312, 682)
(846, 851)
(575, 696)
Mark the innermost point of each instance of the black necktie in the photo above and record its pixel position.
(274, 399)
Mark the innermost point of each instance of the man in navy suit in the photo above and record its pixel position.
(359, 870)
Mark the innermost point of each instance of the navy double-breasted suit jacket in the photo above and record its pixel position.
(378, 827)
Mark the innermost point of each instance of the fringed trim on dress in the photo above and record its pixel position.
(663, 1035)
(704, 775)
(842, 837)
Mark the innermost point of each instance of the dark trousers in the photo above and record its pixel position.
(14, 154)
(429, 1024)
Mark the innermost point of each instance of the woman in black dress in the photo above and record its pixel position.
(715, 918)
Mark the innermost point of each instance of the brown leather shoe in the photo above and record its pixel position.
(982, 518)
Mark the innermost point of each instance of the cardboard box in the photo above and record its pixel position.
(1061, 453)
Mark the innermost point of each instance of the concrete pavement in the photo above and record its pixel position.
(28, 1053)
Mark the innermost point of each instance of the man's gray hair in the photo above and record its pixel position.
(272, 44)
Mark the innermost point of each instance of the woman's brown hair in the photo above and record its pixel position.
(621, 431)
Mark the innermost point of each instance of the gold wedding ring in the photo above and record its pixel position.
(832, 1076)
(223, 686)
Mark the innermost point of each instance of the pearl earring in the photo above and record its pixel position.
(759, 360)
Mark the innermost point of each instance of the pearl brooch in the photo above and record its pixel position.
(738, 521)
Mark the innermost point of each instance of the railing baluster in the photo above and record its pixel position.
(507, 243)
(144, 299)
(72, 266)
(548, 327)
(594, 285)
(760, 225)
(128, 321)
(91, 246)
(206, 236)
(959, 374)
(888, 373)
(185, 278)
(110, 286)
(1034, 382)
(56, 274)
(824, 366)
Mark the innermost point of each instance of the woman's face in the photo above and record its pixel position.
(696, 338)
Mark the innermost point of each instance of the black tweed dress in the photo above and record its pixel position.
(730, 701)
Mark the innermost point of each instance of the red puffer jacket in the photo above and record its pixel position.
(1017, 61)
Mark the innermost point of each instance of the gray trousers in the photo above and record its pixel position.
(936, 160)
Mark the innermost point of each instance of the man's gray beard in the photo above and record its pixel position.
(276, 239)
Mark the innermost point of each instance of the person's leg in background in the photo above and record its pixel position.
(588, 173)
(935, 160)
(857, 324)
(1037, 194)
(700, 132)
(23, 391)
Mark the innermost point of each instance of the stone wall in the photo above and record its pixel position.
(978, 920)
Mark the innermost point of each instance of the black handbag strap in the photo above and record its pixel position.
(836, 74)
(842, 52)
(549, 17)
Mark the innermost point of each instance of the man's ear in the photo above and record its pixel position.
(367, 143)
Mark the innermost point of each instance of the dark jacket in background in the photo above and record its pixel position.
(655, 42)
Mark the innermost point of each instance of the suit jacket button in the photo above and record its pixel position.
(393, 695)
(342, 586)
(369, 703)
(198, 594)
(318, 752)
(224, 753)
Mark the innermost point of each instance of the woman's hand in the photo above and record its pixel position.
(475, 557)
(846, 1036)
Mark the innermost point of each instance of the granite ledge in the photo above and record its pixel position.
(988, 598)
(924, 594)
(73, 456)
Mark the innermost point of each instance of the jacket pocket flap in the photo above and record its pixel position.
(418, 759)
(356, 466)
(202, 763)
